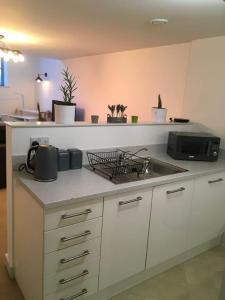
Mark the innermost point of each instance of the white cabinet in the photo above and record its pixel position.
(124, 236)
(59, 255)
(208, 209)
(169, 224)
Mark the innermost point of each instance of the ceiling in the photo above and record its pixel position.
(74, 28)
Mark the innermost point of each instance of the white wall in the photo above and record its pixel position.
(22, 84)
(205, 91)
(133, 78)
(94, 137)
(48, 89)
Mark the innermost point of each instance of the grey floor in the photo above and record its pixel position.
(197, 279)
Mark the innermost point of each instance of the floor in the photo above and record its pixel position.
(8, 288)
(197, 279)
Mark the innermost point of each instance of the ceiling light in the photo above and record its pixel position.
(10, 54)
(159, 21)
(17, 37)
(39, 77)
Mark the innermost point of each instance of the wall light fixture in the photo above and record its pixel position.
(39, 77)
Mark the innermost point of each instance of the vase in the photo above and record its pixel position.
(94, 119)
(111, 119)
(159, 115)
(64, 114)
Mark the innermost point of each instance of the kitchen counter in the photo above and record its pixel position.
(82, 184)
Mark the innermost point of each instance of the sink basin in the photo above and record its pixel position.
(155, 168)
(159, 168)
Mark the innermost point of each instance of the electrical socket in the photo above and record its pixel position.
(42, 140)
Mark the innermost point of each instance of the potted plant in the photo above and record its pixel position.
(120, 117)
(159, 113)
(65, 113)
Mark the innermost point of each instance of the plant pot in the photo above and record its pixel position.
(94, 119)
(159, 115)
(111, 119)
(64, 114)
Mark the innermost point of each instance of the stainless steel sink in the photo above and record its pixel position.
(159, 168)
(154, 168)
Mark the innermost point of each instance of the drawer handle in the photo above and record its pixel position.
(130, 201)
(214, 181)
(63, 281)
(67, 260)
(85, 212)
(175, 191)
(70, 238)
(83, 292)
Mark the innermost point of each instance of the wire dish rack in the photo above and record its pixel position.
(118, 162)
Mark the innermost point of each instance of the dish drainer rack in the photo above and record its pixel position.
(117, 163)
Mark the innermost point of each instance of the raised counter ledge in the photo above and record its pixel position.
(86, 124)
(81, 185)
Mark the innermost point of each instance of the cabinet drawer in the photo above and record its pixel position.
(71, 235)
(72, 214)
(76, 255)
(79, 291)
(71, 277)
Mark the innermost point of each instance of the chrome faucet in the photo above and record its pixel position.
(140, 150)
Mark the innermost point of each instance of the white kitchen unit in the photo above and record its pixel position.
(124, 236)
(96, 248)
(57, 252)
(170, 221)
(208, 209)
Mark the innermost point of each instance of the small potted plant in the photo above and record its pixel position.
(65, 113)
(159, 113)
(120, 117)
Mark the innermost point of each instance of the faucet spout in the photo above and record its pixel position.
(140, 150)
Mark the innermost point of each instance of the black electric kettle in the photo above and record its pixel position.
(42, 162)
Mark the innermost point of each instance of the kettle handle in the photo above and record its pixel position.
(34, 148)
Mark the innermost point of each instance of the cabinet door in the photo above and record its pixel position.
(169, 224)
(124, 236)
(208, 209)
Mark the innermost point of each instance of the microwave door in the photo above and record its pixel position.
(193, 148)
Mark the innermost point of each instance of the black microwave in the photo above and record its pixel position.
(193, 146)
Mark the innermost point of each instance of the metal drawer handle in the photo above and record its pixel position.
(130, 201)
(83, 292)
(66, 239)
(63, 281)
(175, 191)
(85, 212)
(67, 260)
(214, 181)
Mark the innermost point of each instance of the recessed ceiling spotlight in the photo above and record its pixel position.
(160, 21)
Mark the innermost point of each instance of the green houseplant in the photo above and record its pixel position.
(65, 112)
(159, 113)
(120, 117)
(69, 86)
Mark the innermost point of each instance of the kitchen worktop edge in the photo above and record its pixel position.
(81, 185)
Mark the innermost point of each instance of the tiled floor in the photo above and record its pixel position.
(197, 279)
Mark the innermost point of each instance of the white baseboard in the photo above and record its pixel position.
(8, 267)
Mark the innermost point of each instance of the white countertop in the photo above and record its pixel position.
(82, 184)
(86, 124)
